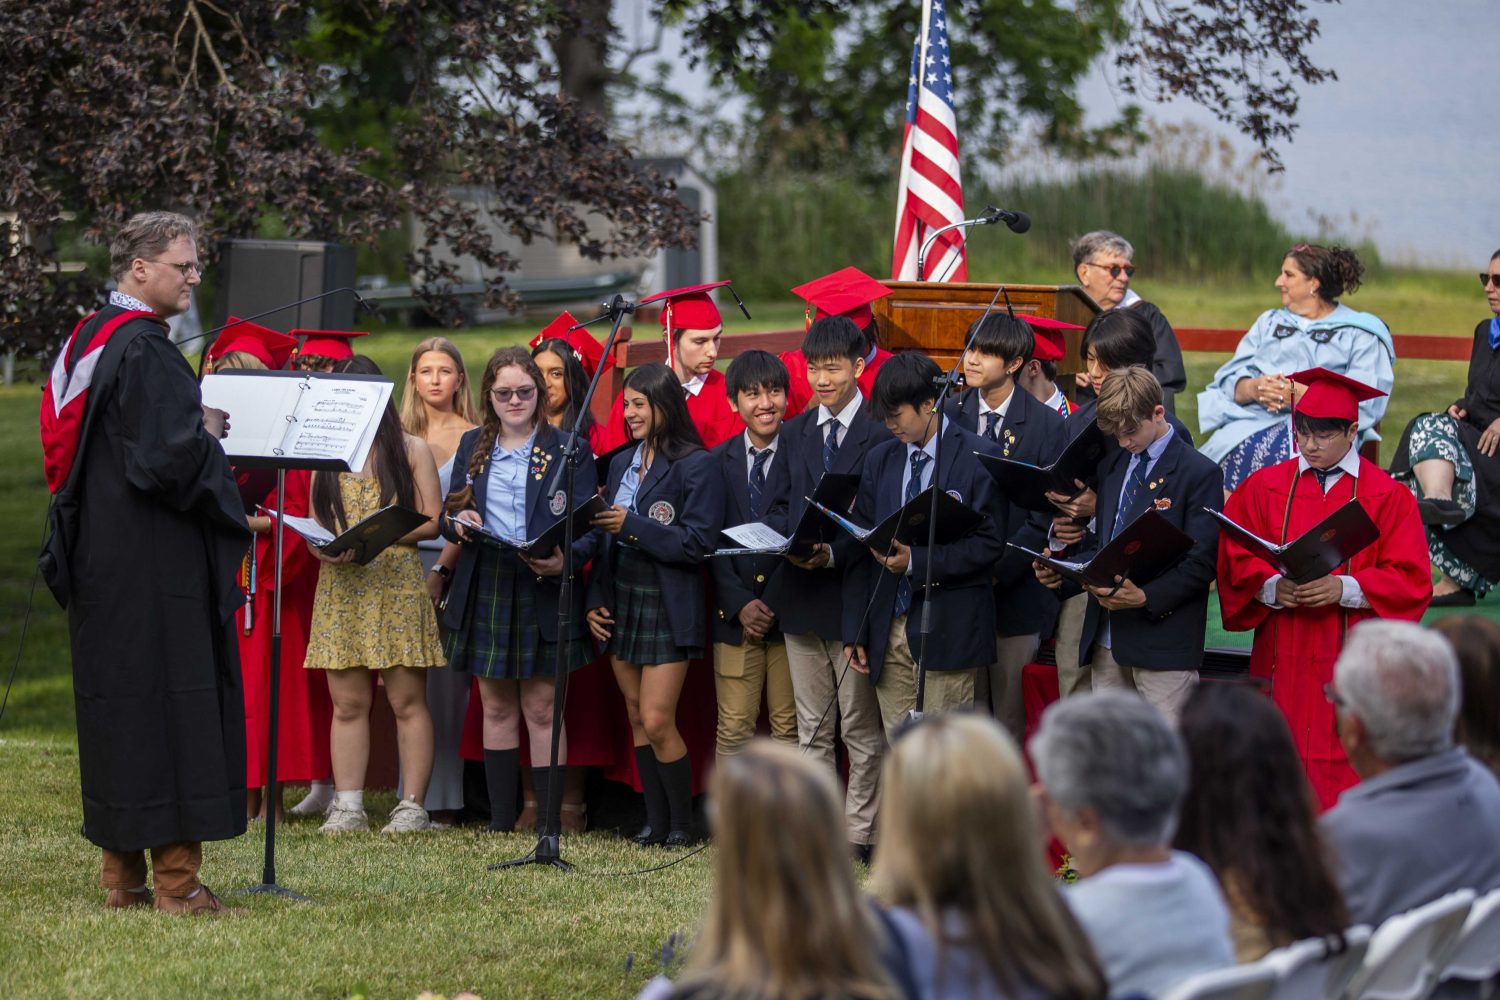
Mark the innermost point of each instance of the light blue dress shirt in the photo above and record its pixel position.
(505, 494)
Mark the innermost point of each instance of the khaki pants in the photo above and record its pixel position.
(999, 688)
(174, 869)
(945, 690)
(741, 673)
(816, 666)
(1168, 690)
(1071, 677)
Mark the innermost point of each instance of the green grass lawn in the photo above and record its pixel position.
(423, 913)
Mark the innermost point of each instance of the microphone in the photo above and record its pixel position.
(1016, 222)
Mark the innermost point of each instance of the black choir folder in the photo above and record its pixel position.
(1027, 485)
(552, 537)
(1148, 545)
(368, 537)
(835, 491)
(1336, 539)
(909, 524)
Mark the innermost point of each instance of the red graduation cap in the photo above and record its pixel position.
(272, 349)
(586, 349)
(333, 344)
(1332, 395)
(687, 308)
(847, 292)
(1049, 336)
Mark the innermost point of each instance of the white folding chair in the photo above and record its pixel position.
(1475, 956)
(1318, 968)
(1237, 982)
(1408, 950)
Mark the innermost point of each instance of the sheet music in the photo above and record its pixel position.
(306, 416)
(759, 536)
(304, 526)
(336, 418)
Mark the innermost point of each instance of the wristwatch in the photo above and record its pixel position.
(442, 571)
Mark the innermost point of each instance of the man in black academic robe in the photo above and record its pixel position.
(156, 679)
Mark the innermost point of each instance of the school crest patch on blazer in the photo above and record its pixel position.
(662, 512)
(558, 503)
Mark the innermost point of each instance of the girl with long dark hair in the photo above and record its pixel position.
(1249, 815)
(377, 617)
(646, 597)
(567, 381)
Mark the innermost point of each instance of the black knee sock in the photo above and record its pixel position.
(652, 790)
(677, 778)
(502, 776)
(548, 817)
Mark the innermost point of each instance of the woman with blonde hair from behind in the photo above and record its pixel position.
(787, 921)
(961, 865)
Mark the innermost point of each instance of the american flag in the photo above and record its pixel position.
(930, 194)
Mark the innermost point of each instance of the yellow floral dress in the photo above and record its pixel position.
(377, 615)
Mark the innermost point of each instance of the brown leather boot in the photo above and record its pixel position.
(203, 901)
(124, 899)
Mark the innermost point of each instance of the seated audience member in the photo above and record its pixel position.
(1425, 818)
(971, 897)
(1148, 635)
(1476, 641)
(1111, 774)
(1250, 816)
(1449, 461)
(1247, 404)
(1102, 261)
(786, 919)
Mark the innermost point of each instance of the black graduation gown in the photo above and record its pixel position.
(1477, 540)
(156, 677)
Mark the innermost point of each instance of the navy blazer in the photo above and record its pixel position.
(810, 601)
(679, 510)
(963, 605)
(1034, 535)
(1032, 432)
(740, 579)
(546, 456)
(1167, 634)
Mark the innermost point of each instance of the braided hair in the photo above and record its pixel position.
(489, 427)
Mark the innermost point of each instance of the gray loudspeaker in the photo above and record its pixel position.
(256, 275)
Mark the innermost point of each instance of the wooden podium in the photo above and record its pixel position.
(934, 317)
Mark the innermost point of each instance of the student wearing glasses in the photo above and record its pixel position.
(501, 609)
(1246, 405)
(1102, 260)
(1301, 628)
(1448, 460)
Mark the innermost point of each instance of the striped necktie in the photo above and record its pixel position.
(758, 479)
(831, 445)
(919, 458)
(992, 425)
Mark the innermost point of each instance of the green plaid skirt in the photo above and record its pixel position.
(500, 639)
(642, 633)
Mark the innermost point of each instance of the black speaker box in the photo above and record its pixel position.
(256, 275)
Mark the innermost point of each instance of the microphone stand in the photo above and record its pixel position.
(548, 843)
(924, 628)
(989, 218)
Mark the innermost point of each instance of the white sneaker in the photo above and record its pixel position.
(319, 799)
(407, 817)
(342, 819)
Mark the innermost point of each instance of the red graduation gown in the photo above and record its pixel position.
(801, 394)
(715, 417)
(1295, 648)
(306, 711)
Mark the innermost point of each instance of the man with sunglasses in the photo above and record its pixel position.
(160, 532)
(1450, 462)
(1102, 262)
(1300, 628)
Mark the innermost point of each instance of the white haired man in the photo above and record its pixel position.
(1102, 262)
(1425, 818)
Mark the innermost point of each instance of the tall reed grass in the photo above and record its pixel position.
(779, 230)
